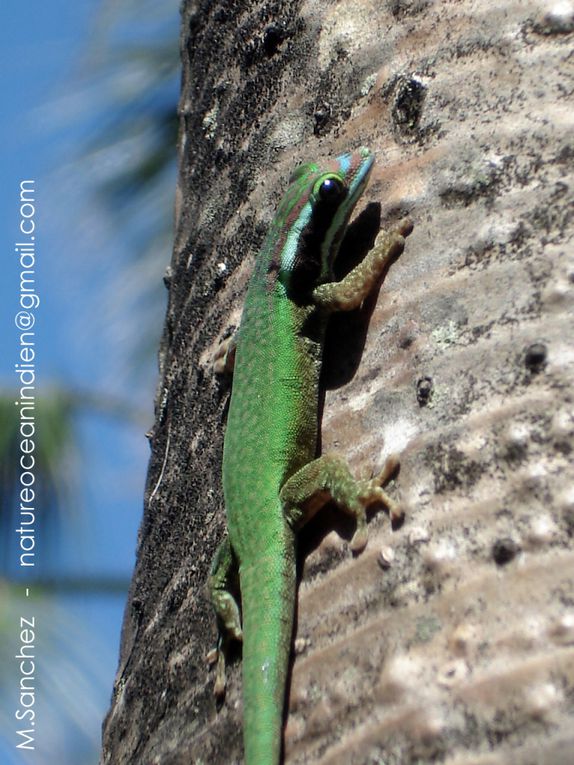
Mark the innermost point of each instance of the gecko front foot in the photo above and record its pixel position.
(405, 227)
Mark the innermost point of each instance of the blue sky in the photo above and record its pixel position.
(84, 339)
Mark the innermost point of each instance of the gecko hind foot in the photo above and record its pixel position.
(373, 492)
(217, 656)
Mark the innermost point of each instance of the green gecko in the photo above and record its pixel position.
(273, 481)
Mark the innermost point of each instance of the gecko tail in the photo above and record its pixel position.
(268, 600)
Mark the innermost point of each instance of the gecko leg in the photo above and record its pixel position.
(329, 477)
(223, 569)
(224, 357)
(350, 292)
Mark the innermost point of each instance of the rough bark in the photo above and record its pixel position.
(450, 639)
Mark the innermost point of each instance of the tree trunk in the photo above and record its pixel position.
(450, 639)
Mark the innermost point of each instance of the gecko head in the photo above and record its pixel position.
(315, 212)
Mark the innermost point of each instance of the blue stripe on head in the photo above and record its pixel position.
(344, 163)
(355, 168)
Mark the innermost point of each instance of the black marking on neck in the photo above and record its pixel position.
(307, 263)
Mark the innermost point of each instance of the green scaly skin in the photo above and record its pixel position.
(273, 481)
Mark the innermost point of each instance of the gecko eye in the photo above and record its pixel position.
(331, 189)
